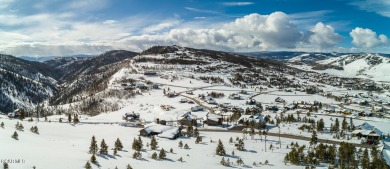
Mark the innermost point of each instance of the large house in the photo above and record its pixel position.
(153, 129)
(212, 120)
(369, 132)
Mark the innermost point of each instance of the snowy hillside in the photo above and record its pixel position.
(372, 66)
(311, 58)
(24, 84)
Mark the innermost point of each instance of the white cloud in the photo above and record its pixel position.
(64, 34)
(201, 10)
(87, 5)
(366, 38)
(381, 7)
(110, 22)
(323, 36)
(5, 3)
(251, 32)
(161, 26)
(237, 3)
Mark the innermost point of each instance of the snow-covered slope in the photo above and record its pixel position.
(24, 83)
(372, 66)
(311, 57)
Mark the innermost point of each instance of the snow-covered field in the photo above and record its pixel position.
(62, 145)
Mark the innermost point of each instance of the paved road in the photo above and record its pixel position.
(294, 137)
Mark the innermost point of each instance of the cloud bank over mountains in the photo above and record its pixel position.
(64, 33)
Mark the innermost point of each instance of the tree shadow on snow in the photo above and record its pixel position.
(108, 156)
(250, 151)
(231, 156)
(168, 159)
(97, 164)
(143, 159)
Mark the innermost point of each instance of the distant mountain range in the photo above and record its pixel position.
(30, 81)
(286, 55)
(25, 83)
(45, 58)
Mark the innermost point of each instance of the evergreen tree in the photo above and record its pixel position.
(190, 131)
(137, 144)
(171, 150)
(233, 153)
(186, 146)
(231, 140)
(223, 162)
(2, 125)
(36, 130)
(22, 114)
(87, 165)
(162, 155)
(154, 156)
(375, 158)
(103, 148)
(15, 136)
(196, 132)
(347, 155)
(351, 125)
(140, 142)
(129, 166)
(198, 139)
(115, 153)
(336, 125)
(21, 127)
(344, 124)
(313, 140)
(331, 154)
(137, 155)
(76, 119)
(240, 145)
(239, 161)
(118, 144)
(153, 144)
(365, 160)
(227, 164)
(220, 149)
(93, 148)
(180, 159)
(320, 125)
(5, 165)
(180, 144)
(69, 118)
(93, 159)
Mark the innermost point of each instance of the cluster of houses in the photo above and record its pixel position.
(207, 99)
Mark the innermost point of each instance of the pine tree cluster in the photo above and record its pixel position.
(34, 129)
(240, 145)
(137, 155)
(153, 144)
(225, 163)
(19, 126)
(137, 144)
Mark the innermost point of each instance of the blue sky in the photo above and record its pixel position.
(67, 27)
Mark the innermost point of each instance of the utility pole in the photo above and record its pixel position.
(280, 143)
